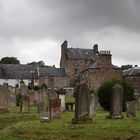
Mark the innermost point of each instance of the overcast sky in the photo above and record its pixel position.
(33, 30)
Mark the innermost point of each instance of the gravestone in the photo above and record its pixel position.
(4, 98)
(43, 100)
(44, 116)
(138, 103)
(130, 109)
(55, 108)
(93, 105)
(25, 104)
(6, 94)
(82, 104)
(62, 93)
(4, 110)
(116, 105)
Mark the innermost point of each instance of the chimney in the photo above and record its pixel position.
(64, 44)
(53, 66)
(105, 59)
(64, 47)
(95, 48)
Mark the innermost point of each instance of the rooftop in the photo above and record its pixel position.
(78, 53)
(135, 71)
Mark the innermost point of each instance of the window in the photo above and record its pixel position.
(77, 62)
(136, 91)
(75, 71)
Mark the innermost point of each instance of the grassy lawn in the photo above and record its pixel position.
(70, 99)
(15, 126)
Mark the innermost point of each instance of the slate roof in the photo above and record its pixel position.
(76, 53)
(51, 71)
(135, 71)
(17, 71)
(95, 65)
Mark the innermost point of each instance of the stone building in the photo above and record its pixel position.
(53, 77)
(13, 73)
(133, 75)
(74, 60)
(100, 71)
(88, 65)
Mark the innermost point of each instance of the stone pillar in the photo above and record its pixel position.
(116, 105)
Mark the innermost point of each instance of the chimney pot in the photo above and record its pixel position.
(95, 48)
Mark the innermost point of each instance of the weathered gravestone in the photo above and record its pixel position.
(93, 105)
(52, 107)
(116, 105)
(25, 104)
(43, 105)
(130, 109)
(55, 108)
(4, 100)
(82, 104)
(43, 100)
(138, 103)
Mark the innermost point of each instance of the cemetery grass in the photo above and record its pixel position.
(15, 126)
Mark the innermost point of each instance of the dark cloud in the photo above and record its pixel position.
(63, 18)
(81, 22)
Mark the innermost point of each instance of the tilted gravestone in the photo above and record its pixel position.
(25, 105)
(116, 105)
(82, 100)
(131, 109)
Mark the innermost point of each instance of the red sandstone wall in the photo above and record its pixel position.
(96, 77)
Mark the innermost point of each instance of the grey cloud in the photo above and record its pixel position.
(63, 18)
(81, 22)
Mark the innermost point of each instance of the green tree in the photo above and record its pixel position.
(39, 63)
(9, 60)
(105, 93)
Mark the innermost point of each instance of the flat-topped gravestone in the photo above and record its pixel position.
(25, 104)
(82, 100)
(44, 116)
(131, 109)
(55, 108)
(116, 105)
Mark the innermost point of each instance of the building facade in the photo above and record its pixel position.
(74, 60)
(53, 77)
(88, 65)
(100, 71)
(133, 76)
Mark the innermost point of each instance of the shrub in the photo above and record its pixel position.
(105, 92)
